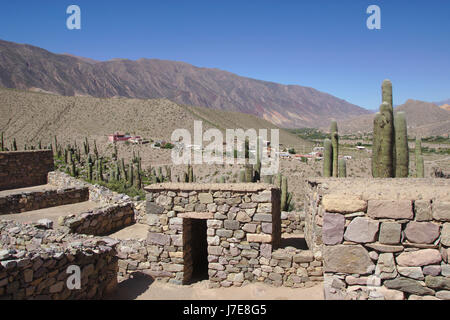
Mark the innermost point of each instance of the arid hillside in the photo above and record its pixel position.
(32, 116)
(27, 67)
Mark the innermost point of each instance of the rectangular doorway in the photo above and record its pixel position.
(195, 248)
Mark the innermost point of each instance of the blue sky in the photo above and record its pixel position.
(323, 44)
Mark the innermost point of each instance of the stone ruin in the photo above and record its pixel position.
(364, 239)
(229, 234)
(382, 238)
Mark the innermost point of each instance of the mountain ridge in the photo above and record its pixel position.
(24, 67)
(424, 118)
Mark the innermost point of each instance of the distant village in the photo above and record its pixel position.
(290, 154)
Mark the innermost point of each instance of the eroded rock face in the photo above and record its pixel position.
(350, 259)
(419, 258)
(361, 230)
(333, 228)
(422, 232)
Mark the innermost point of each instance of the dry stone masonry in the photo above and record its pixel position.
(34, 263)
(34, 200)
(20, 169)
(382, 245)
(101, 221)
(241, 227)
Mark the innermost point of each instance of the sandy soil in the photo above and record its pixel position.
(142, 287)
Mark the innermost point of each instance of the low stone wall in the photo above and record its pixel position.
(27, 201)
(20, 169)
(292, 222)
(97, 193)
(101, 221)
(382, 245)
(136, 255)
(34, 264)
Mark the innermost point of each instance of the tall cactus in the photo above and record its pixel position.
(386, 92)
(131, 173)
(335, 144)
(2, 147)
(191, 177)
(257, 176)
(376, 145)
(248, 173)
(14, 145)
(283, 193)
(242, 175)
(342, 168)
(90, 176)
(386, 150)
(56, 145)
(420, 169)
(286, 197)
(401, 146)
(86, 145)
(327, 158)
(384, 138)
(100, 169)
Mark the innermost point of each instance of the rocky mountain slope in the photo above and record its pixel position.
(27, 67)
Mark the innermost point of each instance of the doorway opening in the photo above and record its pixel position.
(195, 247)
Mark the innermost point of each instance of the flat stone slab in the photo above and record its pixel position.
(392, 209)
(196, 215)
(343, 204)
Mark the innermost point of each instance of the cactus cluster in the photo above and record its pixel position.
(390, 154)
(189, 175)
(420, 169)
(332, 165)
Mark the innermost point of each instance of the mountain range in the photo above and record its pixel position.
(423, 118)
(28, 67)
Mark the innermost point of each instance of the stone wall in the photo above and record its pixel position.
(20, 169)
(31, 200)
(389, 240)
(292, 222)
(34, 264)
(243, 230)
(100, 221)
(97, 193)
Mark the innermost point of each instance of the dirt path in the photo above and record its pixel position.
(142, 287)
